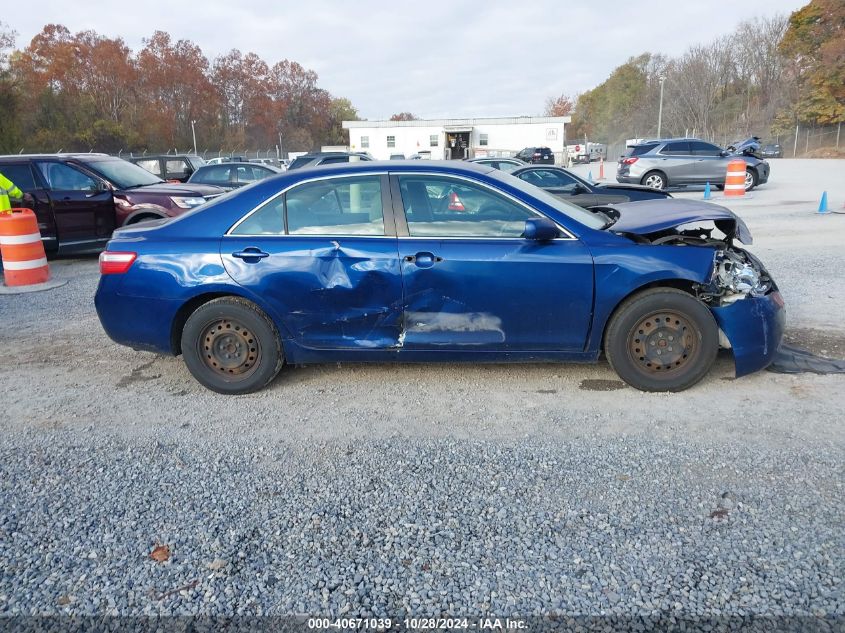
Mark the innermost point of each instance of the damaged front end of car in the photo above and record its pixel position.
(740, 292)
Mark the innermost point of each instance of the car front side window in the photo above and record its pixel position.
(61, 177)
(444, 207)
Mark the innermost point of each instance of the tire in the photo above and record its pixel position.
(230, 346)
(639, 340)
(750, 178)
(655, 179)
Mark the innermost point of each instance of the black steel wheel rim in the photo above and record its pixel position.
(663, 342)
(227, 347)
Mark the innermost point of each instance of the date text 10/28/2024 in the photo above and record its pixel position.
(385, 624)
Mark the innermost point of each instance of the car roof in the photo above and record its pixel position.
(240, 164)
(652, 141)
(445, 166)
(10, 157)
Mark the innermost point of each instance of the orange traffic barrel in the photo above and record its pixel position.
(24, 260)
(735, 179)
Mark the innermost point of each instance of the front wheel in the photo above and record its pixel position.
(662, 340)
(750, 179)
(230, 346)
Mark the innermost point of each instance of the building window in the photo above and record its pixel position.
(433, 140)
(391, 141)
(482, 139)
(365, 142)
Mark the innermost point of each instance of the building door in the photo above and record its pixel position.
(457, 145)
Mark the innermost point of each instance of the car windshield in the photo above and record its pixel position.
(123, 174)
(571, 210)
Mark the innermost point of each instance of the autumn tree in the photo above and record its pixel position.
(9, 101)
(814, 42)
(174, 78)
(404, 116)
(559, 106)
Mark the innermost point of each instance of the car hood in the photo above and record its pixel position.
(651, 216)
(174, 189)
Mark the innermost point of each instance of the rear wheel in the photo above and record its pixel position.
(662, 340)
(230, 346)
(655, 179)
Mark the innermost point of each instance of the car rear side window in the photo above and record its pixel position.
(331, 207)
(443, 207)
(20, 174)
(151, 165)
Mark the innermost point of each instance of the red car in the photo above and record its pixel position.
(80, 199)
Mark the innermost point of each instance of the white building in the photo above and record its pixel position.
(457, 138)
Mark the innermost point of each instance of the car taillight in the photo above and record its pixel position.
(116, 262)
(630, 161)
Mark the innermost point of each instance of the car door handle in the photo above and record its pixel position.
(423, 259)
(251, 254)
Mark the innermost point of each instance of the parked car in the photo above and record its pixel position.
(232, 175)
(217, 160)
(535, 155)
(772, 150)
(567, 186)
(397, 157)
(177, 167)
(79, 199)
(504, 164)
(688, 161)
(325, 158)
(438, 261)
(265, 161)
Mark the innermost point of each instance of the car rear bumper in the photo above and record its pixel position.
(754, 326)
(139, 323)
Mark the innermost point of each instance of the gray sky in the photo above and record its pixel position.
(437, 58)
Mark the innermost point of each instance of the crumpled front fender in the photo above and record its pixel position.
(754, 326)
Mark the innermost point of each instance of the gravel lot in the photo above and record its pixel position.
(430, 489)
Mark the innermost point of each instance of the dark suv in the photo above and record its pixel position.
(537, 155)
(324, 158)
(173, 167)
(79, 199)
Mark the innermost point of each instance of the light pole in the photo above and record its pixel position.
(660, 110)
(194, 134)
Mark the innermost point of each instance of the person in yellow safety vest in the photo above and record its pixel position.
(8, 189)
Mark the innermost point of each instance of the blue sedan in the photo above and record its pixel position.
(438, 261)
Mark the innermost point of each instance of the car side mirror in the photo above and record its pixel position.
(540, 230)
(579, 188)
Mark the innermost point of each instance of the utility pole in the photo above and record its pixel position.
(660, 110)
(194, 135)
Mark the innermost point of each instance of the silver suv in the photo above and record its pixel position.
(688, 161)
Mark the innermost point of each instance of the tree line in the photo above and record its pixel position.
(767, 76)
(78, 91)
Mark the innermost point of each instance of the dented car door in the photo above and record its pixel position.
(324, 257)
(472, 282)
